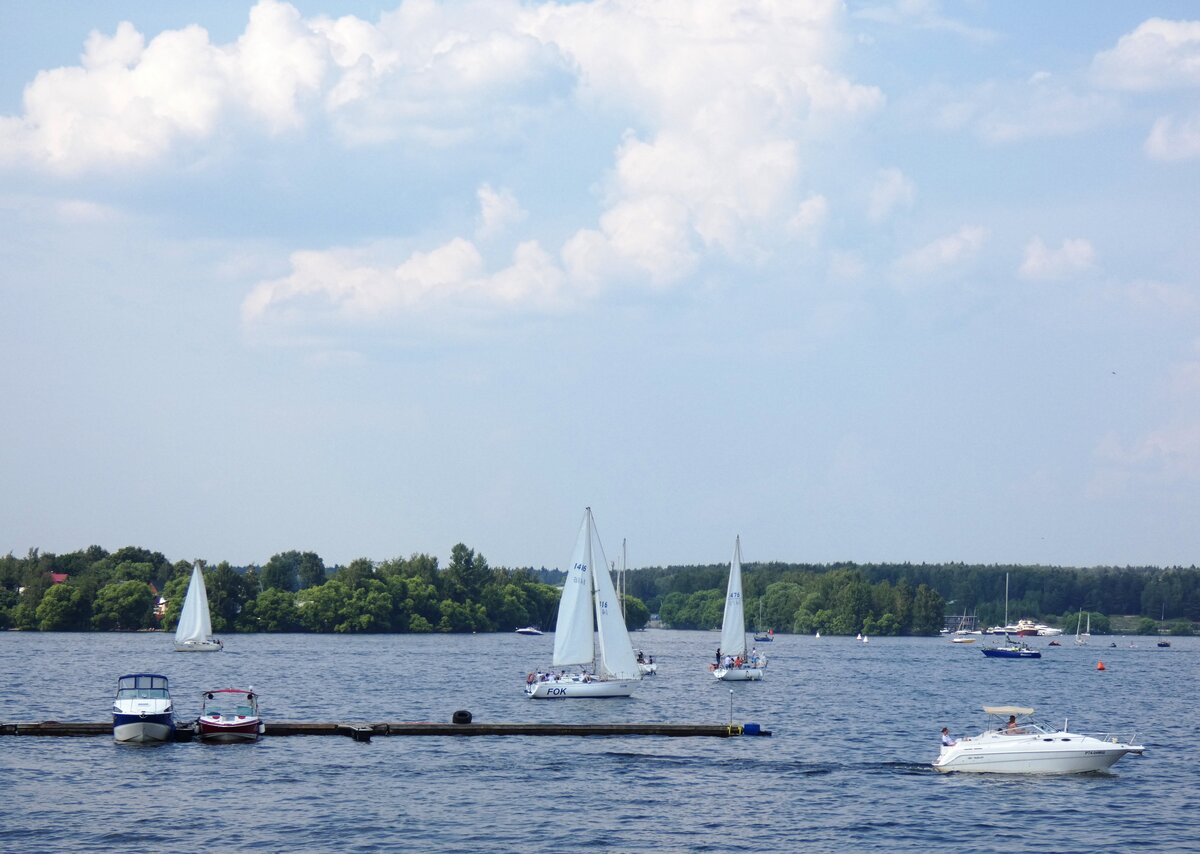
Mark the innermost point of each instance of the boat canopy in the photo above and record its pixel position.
(1008, 710)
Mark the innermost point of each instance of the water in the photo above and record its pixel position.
(847, 769)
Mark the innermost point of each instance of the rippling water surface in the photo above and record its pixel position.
(847, 769)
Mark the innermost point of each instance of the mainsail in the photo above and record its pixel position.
(195, 624)
(733, 624)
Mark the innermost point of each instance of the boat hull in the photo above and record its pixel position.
(230, 732)
(199, 646)
(143, 728)
(1011, 653)
(739, 674)
(565, 689)
(648, 669)
(1062, 753)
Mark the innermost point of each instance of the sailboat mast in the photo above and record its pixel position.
(1006, 599)
(622, 578)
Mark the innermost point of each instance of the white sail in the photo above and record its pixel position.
(573, 631)
(617, 660)
(195, 624)
(733, 623)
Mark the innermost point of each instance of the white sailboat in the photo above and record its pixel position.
(588, 589)
(1079, 636)
(194, 632)
(736, 665)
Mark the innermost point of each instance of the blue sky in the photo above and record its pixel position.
(864, 281)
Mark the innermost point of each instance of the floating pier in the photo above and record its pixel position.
(365, 731)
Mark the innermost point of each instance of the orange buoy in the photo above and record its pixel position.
(1099, 665)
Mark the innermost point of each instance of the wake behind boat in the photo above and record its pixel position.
(1022, 746)
(194, 632)
(733, 664)
(588, 589)
(142, 709)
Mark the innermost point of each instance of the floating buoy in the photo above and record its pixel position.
(1099, 665)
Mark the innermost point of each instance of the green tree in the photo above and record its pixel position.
(123, 605)
(311, 570)
(272, 611)
(467, 573)
(928, 612)
(636, 613)
(282, 572)
(61, 609)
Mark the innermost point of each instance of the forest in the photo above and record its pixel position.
(98, 590)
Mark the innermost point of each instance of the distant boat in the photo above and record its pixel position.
(588, 609)
(759, 635)
(194, 632)
(529, 630)
(142, 709)
(737, 666)
(230, 715)
(961, 639)
(1011, 649)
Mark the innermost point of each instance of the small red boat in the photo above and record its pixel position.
(230, 714)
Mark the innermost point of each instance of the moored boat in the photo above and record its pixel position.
(230, 715)
(1022, 746)
(142, 709)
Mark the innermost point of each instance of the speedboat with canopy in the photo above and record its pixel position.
(1020, 745)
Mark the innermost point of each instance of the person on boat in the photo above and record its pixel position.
(947, 740)
(641, 659)
(1011, 728)
(718, 656)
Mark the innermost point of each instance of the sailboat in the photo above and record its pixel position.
(194, 632)
(588, 590)
(1079, 636)
(736, 666)
(761, 636)
(646, 662)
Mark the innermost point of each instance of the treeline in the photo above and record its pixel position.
(889, 598)
(295, 591)
(292, 592)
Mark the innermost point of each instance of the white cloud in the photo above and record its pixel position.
(1159, 54)
(499, 210)
(809, 217)
(1039, 107)
(1167, 454)
(1075, 255)
(952, 250)
(1174, 139)
(924, 15)
(892, 190)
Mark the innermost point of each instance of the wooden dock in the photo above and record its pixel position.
(365, 731)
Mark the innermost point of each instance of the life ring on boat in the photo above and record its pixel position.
(530, 679)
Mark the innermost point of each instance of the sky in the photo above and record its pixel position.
(863, 281)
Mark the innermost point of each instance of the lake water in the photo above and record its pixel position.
(847, 769)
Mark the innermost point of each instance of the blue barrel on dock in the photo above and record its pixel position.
(751, 729)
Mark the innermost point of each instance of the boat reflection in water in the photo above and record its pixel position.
(1022, 746)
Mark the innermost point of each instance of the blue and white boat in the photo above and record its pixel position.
(1012, 649)
(142, 709)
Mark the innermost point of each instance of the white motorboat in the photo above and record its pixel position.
(529, 630)
(1022, 746)
(142, 709)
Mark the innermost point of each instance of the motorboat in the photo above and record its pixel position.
(1022, 746)
(142, 709)
(529, 630)
(646, 662)
(230, 715)
(1012, 649)
(961, 639)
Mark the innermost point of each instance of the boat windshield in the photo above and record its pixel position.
(141, 685)
(230, 705)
